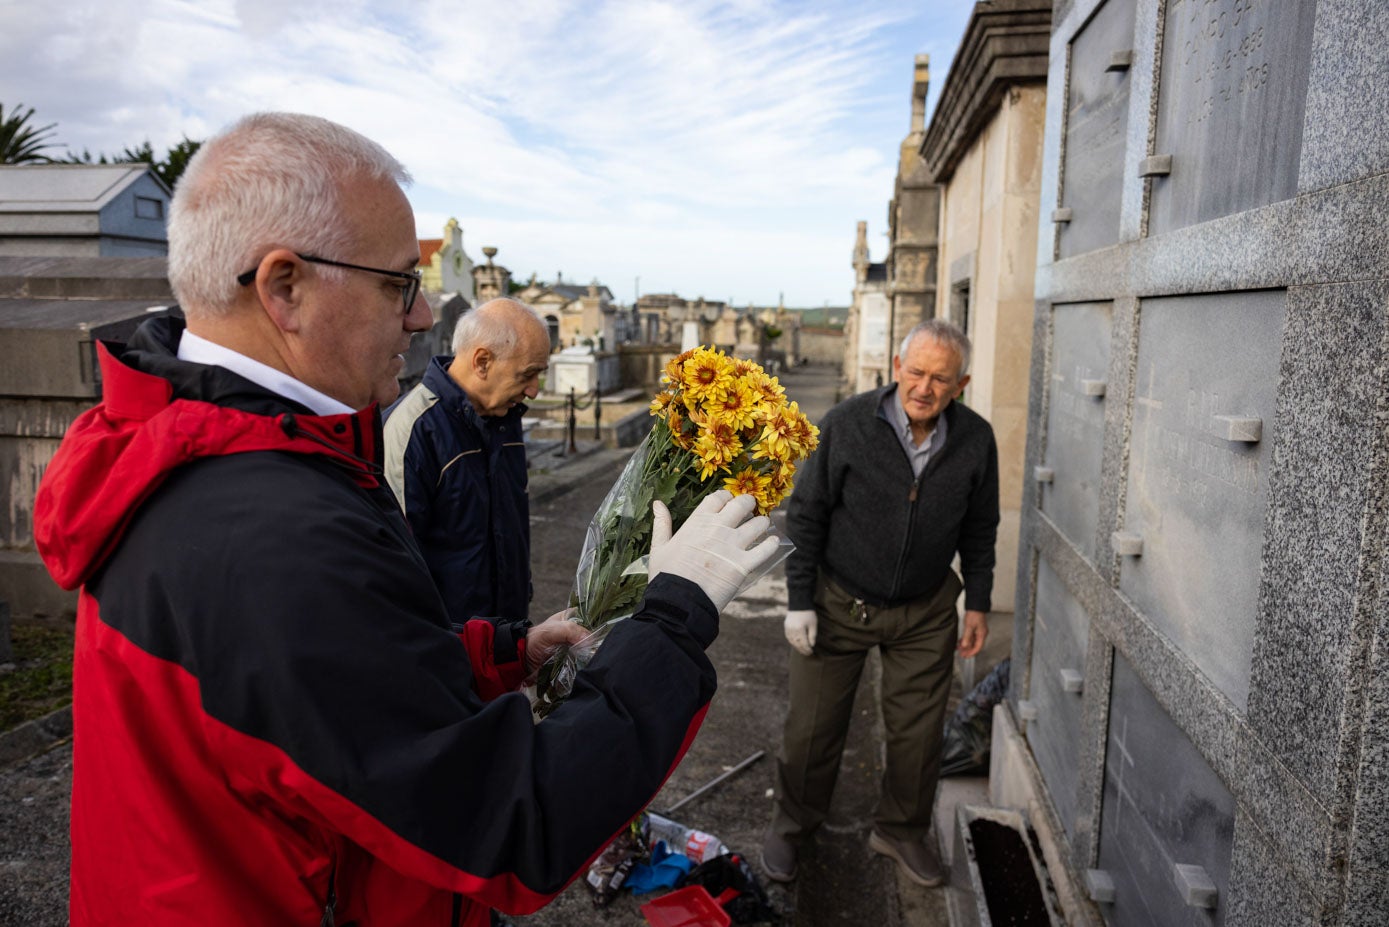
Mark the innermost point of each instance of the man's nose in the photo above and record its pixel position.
(419, 318)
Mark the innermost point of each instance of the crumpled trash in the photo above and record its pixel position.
(664, 870)
(969, 732)
(610, 870)
(750, 904)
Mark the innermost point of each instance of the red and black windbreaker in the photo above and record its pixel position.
(270, 708)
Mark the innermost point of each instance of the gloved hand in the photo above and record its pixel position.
(800, 630)
(716, 548)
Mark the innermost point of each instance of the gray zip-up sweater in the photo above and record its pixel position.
(883, 535)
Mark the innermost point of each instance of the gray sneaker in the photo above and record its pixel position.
(778, 857)
(916, 858)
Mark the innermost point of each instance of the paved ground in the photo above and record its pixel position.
(840, 882)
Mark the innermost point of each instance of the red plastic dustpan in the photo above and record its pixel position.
(691, 906)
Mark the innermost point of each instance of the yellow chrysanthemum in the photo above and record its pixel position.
(661, 402)
(676, 367)
(716, 447)
(805, 437)
(736, 404)
(745, 369)
(706, 374)
(769, 390)
(748, 482)
(681, 433)
(778, 434)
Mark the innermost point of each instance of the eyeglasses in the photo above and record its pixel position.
(408, 293)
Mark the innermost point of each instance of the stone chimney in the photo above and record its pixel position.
(921, 83)
(861, 253)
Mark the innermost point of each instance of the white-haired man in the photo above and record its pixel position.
(273, 721)
(456, 460)
(904, 479)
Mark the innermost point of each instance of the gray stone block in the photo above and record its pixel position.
(1097, 110)
(1230, 103)
(1062, 638)
(1198, 501)
(1162, 802)
(1075, 420)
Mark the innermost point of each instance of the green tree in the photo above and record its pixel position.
(169, 168)
(20, 141)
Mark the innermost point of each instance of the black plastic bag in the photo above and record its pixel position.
(969, 731)
(751, 905)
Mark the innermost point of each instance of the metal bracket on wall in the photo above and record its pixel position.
(1126, 543)
(1244, 429)
(1155, 166)
(1120, 60)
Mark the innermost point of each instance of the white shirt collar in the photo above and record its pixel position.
(198, 350)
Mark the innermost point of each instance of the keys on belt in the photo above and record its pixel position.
(860, 611)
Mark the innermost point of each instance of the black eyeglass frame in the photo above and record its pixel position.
(409, 294)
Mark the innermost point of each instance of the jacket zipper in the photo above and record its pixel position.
(329, 908)
(907, 540)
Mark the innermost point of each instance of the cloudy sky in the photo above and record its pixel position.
(716, 149)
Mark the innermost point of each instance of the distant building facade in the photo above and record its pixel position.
(444, 266)
(83, 210)
(577, 314)
(868, 330)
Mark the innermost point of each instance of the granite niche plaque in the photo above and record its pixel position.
(1230, 107)
(1097, 115)
(1070, 475)
(1167, 822)
(1061, 635)
(1204, 402)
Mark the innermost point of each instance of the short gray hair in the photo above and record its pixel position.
(495, 325)
(942, 331)
(270, 180)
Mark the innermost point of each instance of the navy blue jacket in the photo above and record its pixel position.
(461, 480)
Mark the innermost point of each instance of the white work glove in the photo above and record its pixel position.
(717, 547)
(800, 630)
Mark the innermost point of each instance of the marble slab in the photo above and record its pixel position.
(1200, 451)
(1097, 107)
(1163, 808)
(1075, 420)
(1061, 634)
(1230, 104)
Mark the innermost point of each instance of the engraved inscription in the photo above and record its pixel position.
(1079, 418)
(1189, 460)
(1230, 106)
(1224, 53)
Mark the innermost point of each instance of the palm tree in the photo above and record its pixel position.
(20, 142)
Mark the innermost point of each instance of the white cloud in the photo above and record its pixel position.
(721, 145)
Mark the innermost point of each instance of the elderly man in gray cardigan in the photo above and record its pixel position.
(904, 479)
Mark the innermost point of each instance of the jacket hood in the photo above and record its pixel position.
(157, 414)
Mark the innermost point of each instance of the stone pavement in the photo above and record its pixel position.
(840, 882)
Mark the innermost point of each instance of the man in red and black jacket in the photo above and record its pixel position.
(273, 721)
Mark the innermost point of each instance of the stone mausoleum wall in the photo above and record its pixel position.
(1201, 654)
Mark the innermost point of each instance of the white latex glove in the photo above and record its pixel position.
(716, 548)
(800, 630)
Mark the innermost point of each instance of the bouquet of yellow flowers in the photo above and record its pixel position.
(721, 423)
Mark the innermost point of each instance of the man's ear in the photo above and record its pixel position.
(960, 386)
(482, 362)
(280, 283)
